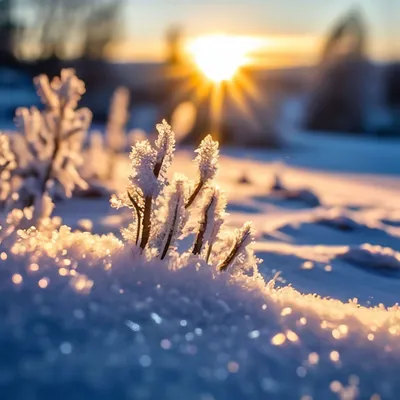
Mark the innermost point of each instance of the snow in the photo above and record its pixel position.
(84, 317)
(381, 258)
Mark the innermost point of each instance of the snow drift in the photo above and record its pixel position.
(85, 317)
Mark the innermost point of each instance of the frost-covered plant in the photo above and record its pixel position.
(166, 212)
(148, 177)
(101, 151)
(7, 165)
(95, 168)
(117, 118)
(116, 136)
(45, 157)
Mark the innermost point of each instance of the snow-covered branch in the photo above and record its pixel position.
(117, 118)
(47, 156)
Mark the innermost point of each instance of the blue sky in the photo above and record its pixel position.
(147, 20)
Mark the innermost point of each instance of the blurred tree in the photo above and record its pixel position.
(65, 29)
(102, 27)
(393, 85)
(344, 89)
(7, 32)
(347, 38)
(174, 45)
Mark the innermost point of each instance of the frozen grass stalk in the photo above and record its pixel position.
(211, 223)
(174, 211)
(118, 117)
(198, 244)
(243, 238)
(165, 213)
(164, 149)
(207, 160)
(138, 211)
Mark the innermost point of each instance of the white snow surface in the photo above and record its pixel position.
(85, 318)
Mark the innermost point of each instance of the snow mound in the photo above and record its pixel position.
(281, 192)
(84, 317)
(334, 228)
(373, 256)
(338, 219)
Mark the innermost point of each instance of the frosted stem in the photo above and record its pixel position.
(225, 264)
(157, 168)
(57, 141)
(194, 194)
(4, 166)
(203, 226)
(210, 246)
(146, 222)
(171, 232)
(233, 254)
(138, 216)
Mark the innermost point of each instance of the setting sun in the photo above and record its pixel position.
(220, 56)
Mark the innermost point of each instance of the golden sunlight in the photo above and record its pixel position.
(219, 57)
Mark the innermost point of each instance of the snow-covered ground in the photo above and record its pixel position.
(327, 328)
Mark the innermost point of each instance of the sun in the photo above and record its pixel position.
(219, 57)
(214, 74)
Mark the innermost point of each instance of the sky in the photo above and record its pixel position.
(293, 29)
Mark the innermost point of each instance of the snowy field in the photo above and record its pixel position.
(82, 320)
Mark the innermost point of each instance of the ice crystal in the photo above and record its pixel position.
(165, 147)
(207, 158)
(207, 162)
(144, 158)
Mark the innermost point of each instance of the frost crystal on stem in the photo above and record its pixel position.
(243, 238)
(171, 215)
(212, 220)
(207, 158)
(143, 158)
(207, 161)
(165, 147)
